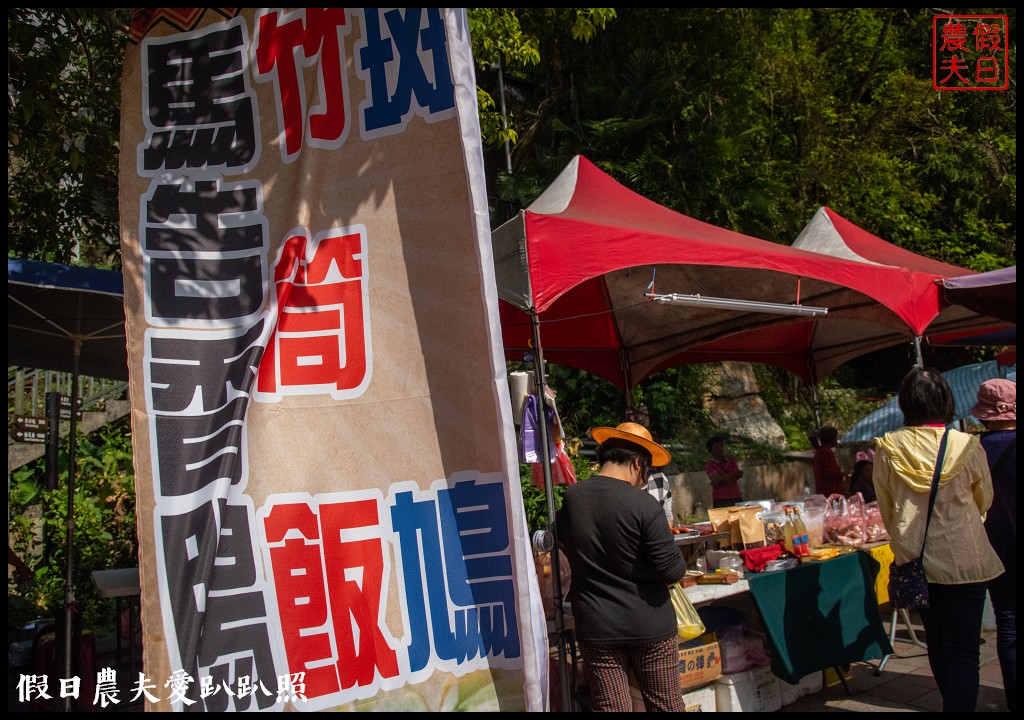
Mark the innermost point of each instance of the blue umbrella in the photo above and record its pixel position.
(964, 382)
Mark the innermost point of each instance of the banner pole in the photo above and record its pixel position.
(549, 495)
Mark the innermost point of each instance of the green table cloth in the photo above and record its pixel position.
(820, 614)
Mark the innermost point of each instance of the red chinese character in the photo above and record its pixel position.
(301, 598)
(954, 36)
(988, 37)
(988, 54)
(321, 343)
(354, 585)
(309, 36)
(988, 70)
(954, 65)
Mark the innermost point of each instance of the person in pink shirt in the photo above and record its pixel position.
(829, 478)
(724, 474)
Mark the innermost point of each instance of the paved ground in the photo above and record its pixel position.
(905, 684)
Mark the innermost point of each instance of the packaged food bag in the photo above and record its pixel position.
(720, 523)
(845, 523)
(873, 523)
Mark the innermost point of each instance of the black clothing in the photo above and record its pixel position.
(864, 487)
(623, 558)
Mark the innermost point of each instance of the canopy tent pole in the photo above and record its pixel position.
(627, 375)
(816, 405)
(549, 495)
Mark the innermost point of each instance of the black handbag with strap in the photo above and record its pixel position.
(908, 585)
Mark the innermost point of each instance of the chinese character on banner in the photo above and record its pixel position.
(970, 52)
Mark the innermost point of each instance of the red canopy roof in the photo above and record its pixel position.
(831, 234)
(813, 348)
(580, 258)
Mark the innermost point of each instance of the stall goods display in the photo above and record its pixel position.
(845, 523)
(743, 648)
(742, 522)
(824, 553)
(696, 530)
(773, 532)
(690, 579)
(873, 523)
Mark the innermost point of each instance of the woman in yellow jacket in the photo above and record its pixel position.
(958, 558)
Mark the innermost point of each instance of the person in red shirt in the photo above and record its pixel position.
(829, 478)
(724, 474)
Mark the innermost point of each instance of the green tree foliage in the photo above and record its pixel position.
(63, 121)
(499, 36)
(753, 118)
(535, 501)
(104, 526)
(746, 118)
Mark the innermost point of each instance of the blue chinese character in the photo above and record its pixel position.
(401, 60)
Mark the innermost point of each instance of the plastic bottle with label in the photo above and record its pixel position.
(788, 531)
(800, 537)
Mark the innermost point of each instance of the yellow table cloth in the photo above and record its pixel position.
(883, 554)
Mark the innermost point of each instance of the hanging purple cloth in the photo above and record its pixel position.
(529, 439)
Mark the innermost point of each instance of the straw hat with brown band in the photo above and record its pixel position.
(636, 434)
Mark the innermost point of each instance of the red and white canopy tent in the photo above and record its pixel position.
(574, 269)
(831, 234)
(811, 349)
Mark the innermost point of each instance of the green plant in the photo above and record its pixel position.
(104, 531)
(534, 499)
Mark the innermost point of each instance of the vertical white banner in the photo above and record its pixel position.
(329, 506)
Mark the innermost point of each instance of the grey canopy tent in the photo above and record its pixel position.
(963, 381)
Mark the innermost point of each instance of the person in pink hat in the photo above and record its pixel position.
(997, 410)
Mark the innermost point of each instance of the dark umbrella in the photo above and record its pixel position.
(69, 319)
(58, 315)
